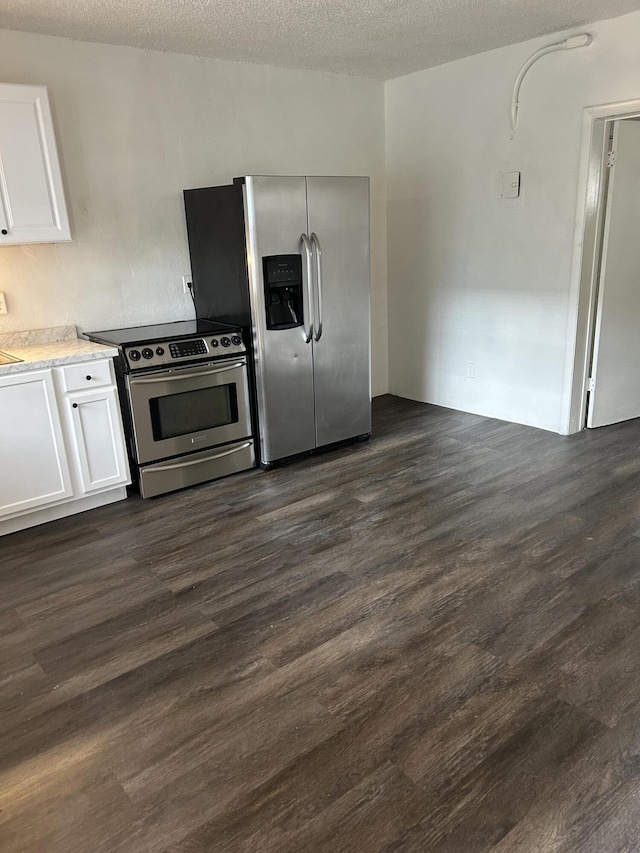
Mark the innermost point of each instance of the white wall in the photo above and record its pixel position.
(134, 129)
(474, 280)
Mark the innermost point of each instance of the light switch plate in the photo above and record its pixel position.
(3, 304)
(510, 184)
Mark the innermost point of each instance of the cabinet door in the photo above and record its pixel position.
(32, 205)
(33, 465)
(96, 439)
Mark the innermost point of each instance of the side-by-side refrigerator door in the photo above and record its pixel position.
(339, 231)
(276, 217)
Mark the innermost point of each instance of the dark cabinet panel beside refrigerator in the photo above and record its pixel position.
(288, 258)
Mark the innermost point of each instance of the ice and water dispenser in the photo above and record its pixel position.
(283, 291)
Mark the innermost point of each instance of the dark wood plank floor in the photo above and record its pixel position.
(429, 643)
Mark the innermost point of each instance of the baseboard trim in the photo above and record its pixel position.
(72, 507)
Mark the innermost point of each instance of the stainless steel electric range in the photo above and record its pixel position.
(184, 392)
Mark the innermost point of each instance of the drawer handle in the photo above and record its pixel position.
(4, 231)
(88, 378)
(74, 405)
(212, 458)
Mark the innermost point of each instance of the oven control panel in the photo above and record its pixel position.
(183, 350)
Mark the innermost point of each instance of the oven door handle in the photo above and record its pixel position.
(184, 374)
(200, 459)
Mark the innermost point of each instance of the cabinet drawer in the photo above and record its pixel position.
(86, 376)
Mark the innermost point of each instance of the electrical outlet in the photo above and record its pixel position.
(186, 281)
(471, 370)
(3, 304)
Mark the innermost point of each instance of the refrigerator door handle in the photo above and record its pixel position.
(308, 327)
(316, 245)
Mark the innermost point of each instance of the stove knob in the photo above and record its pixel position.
(226, 342)
(147, 353)
(236, 340)
(159, 350)
(134, 354)
(214, 342)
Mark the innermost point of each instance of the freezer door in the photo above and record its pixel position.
(276, 216)
(339, 218)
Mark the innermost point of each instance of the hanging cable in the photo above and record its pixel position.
(581, 40)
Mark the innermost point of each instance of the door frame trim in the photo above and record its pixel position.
(586, 258)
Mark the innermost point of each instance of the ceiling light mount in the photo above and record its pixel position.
(580, 40)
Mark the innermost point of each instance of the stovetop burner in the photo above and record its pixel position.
(170, 345)
(159, 332)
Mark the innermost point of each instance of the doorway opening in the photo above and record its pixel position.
(603, 382)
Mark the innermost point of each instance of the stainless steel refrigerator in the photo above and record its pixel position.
(288, 259)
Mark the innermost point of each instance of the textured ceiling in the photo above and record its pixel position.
(370, 38)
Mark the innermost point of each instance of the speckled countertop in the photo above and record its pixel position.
(42, 348)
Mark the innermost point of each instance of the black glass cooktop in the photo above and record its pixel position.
(159, 332)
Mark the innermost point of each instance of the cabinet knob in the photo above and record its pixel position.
(74, 405)
(88, 378)
(4, 231)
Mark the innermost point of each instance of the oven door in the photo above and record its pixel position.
(186, 409)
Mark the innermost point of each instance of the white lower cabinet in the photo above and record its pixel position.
(95, 439)
(34, 471)
(60, 451)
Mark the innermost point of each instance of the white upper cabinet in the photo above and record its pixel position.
(32, 205)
